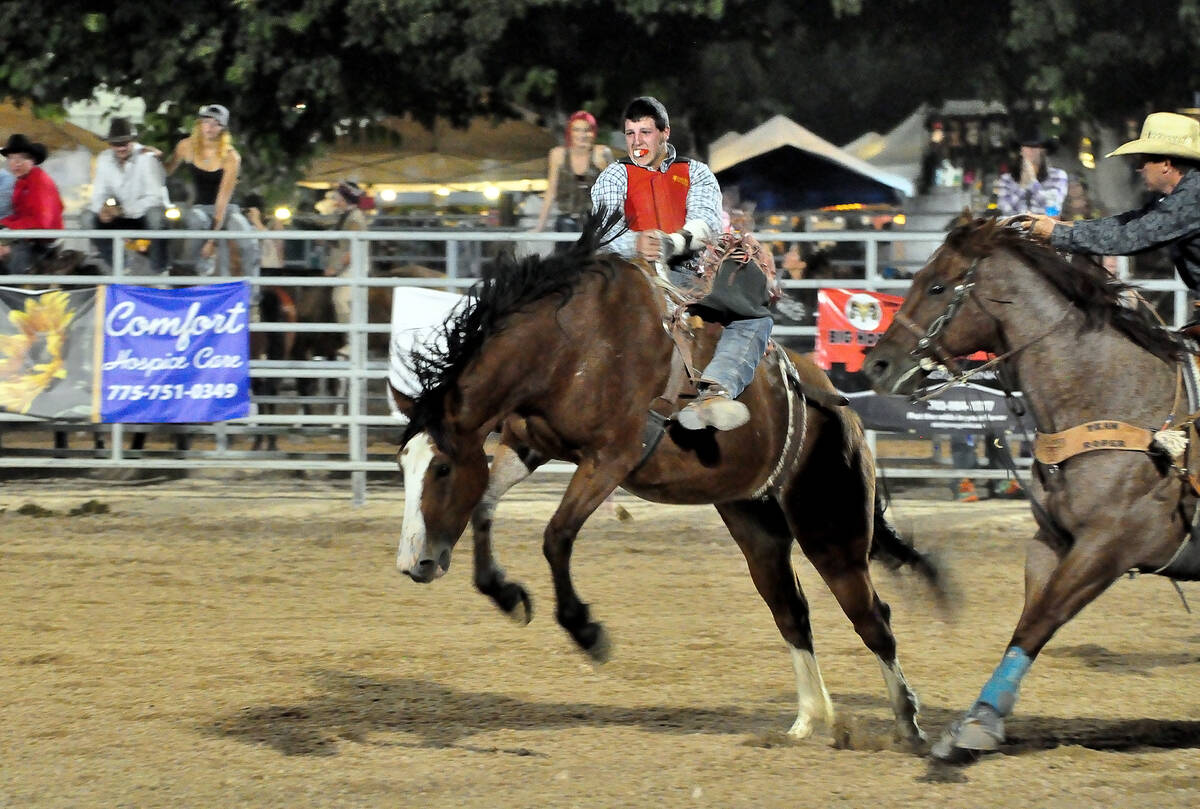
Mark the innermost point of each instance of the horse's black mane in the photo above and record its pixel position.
(507, 285)
(1086, 284)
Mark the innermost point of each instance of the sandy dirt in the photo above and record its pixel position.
(248, 643)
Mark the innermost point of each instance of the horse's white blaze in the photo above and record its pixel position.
(905, 704)
(414, 460)
(814, 705)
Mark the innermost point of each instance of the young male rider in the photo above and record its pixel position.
(672, 207)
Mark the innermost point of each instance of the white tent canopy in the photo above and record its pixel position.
(898, 152)
(781, 133)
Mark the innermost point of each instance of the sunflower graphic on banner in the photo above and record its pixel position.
(46, 352)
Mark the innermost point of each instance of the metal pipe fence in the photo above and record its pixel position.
(881, 261)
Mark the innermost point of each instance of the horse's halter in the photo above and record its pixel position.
(929, 351)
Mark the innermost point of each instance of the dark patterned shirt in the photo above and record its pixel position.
(1171, 222)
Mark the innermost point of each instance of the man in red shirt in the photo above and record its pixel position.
(36, 203)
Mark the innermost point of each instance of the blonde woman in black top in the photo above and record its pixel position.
(213, 165)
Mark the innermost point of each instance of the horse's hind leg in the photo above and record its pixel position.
(761, 531)
(835, 534)
(509, 467)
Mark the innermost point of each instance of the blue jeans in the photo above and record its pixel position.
(151, 220)
(24, 254)
(741, 346)
(200, 217)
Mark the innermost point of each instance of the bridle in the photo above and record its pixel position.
(929, 351)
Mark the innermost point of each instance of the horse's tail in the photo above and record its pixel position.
(895, 552)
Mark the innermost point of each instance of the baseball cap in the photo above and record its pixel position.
(216, 112)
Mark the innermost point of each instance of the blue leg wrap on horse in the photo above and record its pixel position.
(1001, 691)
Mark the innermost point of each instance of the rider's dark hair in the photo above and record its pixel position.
(648, 107)
(1183, 164)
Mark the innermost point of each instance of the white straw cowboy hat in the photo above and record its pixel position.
(1165, 133)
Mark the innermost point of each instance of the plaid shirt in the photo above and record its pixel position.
(703, 198)
(1171, 222)
(1037, 197)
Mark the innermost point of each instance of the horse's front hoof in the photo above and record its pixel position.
(595, 641)
(516, 603)
(965, 740)
(947, 751)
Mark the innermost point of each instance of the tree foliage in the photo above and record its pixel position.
(1108, 59)
(296, 72)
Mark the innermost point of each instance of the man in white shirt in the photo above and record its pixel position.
(128, 192)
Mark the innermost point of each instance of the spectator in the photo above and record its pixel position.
(7, 181)
(347, 199)
(36, 204)
(270, 250)
(214, 164)
(790, 309)
(1039, 187)
(128, 192)
(574, 167)
(1079, 204)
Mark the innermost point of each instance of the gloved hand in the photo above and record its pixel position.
(692, 238)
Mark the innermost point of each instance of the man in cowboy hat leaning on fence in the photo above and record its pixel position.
(1168, 158)
(36, 204)
(128, 192)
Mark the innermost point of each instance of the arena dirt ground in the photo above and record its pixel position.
(248, 643)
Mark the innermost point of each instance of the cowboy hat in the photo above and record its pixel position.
(120, 130)
(350, 191)
(19, 144)
(1036, 137)
(1165, 133)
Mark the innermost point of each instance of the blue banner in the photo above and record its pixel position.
(175, 355)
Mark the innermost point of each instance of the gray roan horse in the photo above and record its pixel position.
(567, 354)
(1082, 356)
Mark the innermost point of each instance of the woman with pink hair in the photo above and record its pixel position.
(573, 168)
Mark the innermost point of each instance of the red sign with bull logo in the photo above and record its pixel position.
(849, 323)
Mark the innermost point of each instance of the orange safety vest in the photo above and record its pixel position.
(657, 200)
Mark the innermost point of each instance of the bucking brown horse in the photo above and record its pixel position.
(567, 354)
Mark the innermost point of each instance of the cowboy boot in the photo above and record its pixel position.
(715, 408)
